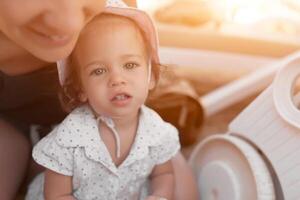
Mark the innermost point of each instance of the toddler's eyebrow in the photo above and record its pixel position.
(132, 56)
(96, 62)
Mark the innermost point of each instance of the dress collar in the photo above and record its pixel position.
(80, 129)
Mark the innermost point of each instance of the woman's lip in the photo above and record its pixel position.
(50, 39)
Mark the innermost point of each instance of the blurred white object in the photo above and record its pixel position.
(151, 4)
(260, 152)
(235, 91)
(229, 168)
(200, 58)
(244, 87)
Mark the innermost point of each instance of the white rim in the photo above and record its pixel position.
(283, 90)
(259, 169)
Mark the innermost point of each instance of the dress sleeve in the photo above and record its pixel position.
(168, 146)
(53, 156)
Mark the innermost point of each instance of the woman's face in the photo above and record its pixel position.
(48, 29)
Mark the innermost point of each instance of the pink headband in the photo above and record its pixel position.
(141, 18)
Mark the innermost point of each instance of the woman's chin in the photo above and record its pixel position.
(50, 53)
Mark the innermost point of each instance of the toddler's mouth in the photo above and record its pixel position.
(121, 97)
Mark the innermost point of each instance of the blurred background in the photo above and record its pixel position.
(214, 42)
(272, 26)
(226, 52)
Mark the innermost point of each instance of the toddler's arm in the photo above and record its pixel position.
(162, 181)
(57, 186)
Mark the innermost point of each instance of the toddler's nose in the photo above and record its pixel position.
(116, 79)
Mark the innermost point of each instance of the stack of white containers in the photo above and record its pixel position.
(259, 157)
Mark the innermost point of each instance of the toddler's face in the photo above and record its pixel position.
(47, 29)
(113, 63)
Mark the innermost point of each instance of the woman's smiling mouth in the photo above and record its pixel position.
(53, 40)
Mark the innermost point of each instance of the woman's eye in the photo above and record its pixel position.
(130, 65)
(98, 71)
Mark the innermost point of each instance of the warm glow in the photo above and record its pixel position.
(251, 11)
(240, 11)
(151, 4)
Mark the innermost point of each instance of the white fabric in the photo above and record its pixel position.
(110, 124)
(75, 148)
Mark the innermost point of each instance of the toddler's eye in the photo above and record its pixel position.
(98, 71)
(130, 65)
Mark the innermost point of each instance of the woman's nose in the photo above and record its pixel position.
(68, 17)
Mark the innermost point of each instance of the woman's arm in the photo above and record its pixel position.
(162, 181)
(57, 186)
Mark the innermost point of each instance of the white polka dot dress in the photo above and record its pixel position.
(75, 148)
